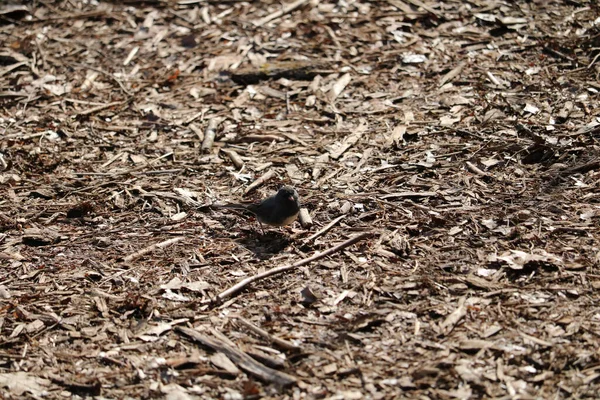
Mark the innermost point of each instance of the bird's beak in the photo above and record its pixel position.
(291, 198)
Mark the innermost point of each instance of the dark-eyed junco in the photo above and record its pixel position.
(278, 210)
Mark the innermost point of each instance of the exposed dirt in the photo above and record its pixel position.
(463, 136)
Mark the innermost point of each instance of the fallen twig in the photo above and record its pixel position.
(278, 270)
(153, 247)
(234, 157)
(284, 344)
(326, 228)
(473, 168)
(264, 178)
(101, 107)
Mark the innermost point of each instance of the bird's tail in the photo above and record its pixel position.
(235, 206)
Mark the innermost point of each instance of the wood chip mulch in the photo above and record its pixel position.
(447, 155)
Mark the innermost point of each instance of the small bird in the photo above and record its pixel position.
(278, 210)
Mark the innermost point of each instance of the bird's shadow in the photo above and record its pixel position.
(267, 245)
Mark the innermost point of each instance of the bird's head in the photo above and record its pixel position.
(288, 193)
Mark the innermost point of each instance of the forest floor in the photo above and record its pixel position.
(456, 142)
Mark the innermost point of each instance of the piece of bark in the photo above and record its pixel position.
(305, 219)
(209, 134)
(338, 149)
(338, 87)
(295, 70)
(241, 359)
(234, 157)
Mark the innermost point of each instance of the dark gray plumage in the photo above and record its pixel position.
(278, 210)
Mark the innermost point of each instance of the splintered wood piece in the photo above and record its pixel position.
(92, 388)
(194, 128)
(222, 361)
(278, 270)
(401, 6)
(241, 359)
(131, 55)
(452, 74)
(425, 7)
(234, 157)
(493, 78)
(408, 195)
(294, 173)
(194, 117)
(338, 87)
(320, 164)
(396, 136)
(260, 181)
(304, 217)
(338, 149)
(259, 138)
(451, 320)
(209, 134)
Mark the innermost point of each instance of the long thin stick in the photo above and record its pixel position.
(278, 341)
(473, 168)
(101, 107)
(262, 179)
(278, 270)
(326, 228)
(153, 247)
